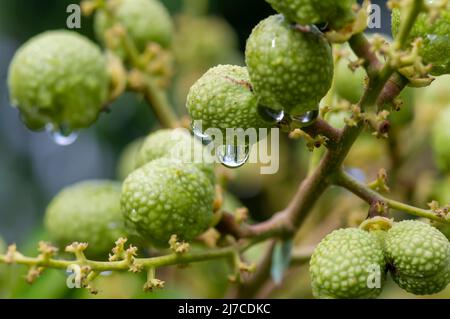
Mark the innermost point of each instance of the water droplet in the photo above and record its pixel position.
(233, 156)
(61, 135)
(198, 133)
(270, 114)
(306, 118)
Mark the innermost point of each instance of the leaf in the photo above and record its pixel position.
(281, 258)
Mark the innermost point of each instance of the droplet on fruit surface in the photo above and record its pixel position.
(271, 114)
(233, 156)
(198, 133)
(306, 119)
(61, 135)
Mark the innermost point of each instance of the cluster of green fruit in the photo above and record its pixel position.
(60, 78)
(289, 70)
(352, 263)
(163, 195)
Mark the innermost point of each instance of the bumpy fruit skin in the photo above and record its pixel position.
(223, 98)
(175, 144)
(58, 77)
(342, 263)
(166, 197)
(436, 44)
(89, 212)
(145, 20)
(441, 139)
(290, 70)
(336, 13)
(423, 286)
(418, 256)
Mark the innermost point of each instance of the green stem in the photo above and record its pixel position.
(413, 10)
(124, 265)
(160, 104)
(372, 197)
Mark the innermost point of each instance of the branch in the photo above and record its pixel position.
(321, 127)
(363, 49)
(372, 197)
(124, 265)
(393, 87)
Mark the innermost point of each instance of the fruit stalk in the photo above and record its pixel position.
(372, 197)
(124, 265)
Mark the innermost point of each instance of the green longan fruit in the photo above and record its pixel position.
(127, 160)
(336, 13)
(418, 256)
(290, 69)
(58, 78)
(423, 286)
(175, 144)
(436, 44)
(88, 212)
(166, 197)
(349, 84)
(342, 264)
(440, 136)
(223, 98)
(145, 20)
(201, 42)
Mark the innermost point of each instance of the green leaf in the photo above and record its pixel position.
(281, 258)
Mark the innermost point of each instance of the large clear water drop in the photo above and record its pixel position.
(61, 135)
(233, 156)
(306, 118)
